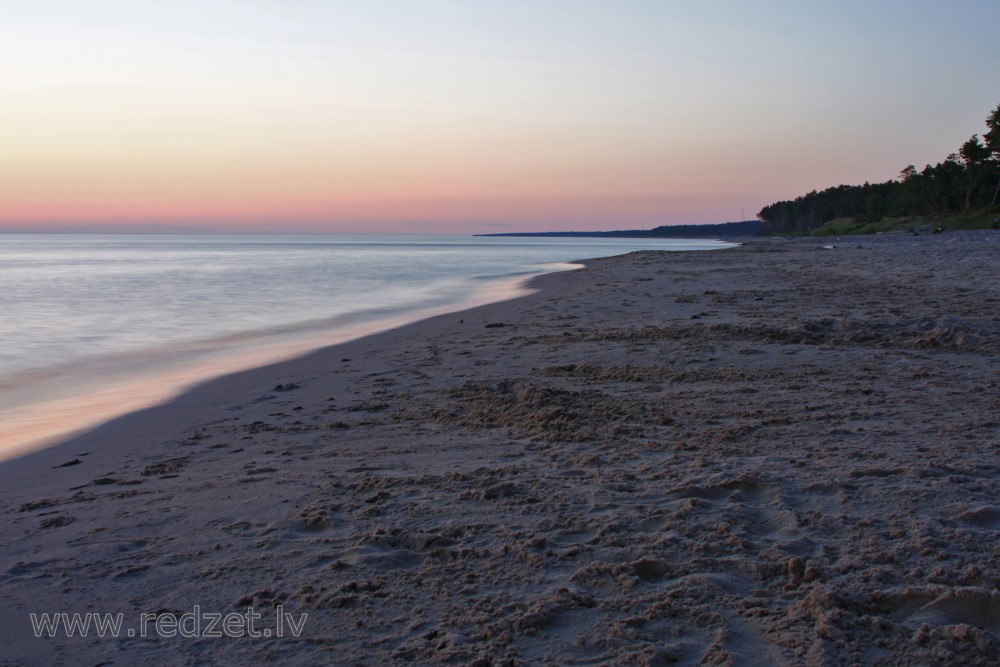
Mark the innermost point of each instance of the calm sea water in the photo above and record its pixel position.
(95, 325)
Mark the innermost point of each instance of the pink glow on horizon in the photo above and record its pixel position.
(394, 117)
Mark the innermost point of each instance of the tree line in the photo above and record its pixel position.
(965, 181)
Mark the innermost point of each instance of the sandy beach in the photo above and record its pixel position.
(786, 453)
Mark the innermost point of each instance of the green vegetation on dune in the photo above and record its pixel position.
(979, 219)
(962, 192)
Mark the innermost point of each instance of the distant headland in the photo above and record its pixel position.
(744, 228)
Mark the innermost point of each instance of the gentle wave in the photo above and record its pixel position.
(95, 327)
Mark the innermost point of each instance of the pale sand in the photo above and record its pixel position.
(779, 454)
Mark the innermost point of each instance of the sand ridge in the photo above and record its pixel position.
(778, 454)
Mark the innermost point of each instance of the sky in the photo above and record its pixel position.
(454, 117)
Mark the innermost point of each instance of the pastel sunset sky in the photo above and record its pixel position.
(462, 116)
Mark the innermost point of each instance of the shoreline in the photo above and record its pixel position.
(778, 454)
(167, 379)
(81, 381)
(227, 383)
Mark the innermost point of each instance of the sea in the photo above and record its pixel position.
(94, 326)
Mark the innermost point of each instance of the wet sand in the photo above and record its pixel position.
(42, 407)
(781, 454)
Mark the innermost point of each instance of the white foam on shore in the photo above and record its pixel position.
(40, 409)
